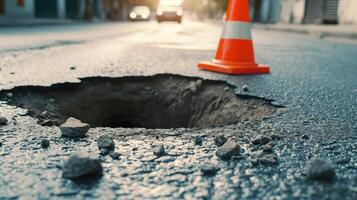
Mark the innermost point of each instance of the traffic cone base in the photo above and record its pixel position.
(234, 68)
(235, 53)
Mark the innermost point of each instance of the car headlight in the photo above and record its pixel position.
(133, 15)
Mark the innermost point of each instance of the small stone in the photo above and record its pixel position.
(197, 140)
(80, 165)
(48, 122)
(104, 152)
(9, 95)
(305, 137)
(267, 148)
(114, 155)
(319, 169)
(0, 144)
(209, 169)
(226, 89)
(261, 139)
(268, 159)
(73, 67)
(159, 150)
(276, 136)
(45, 143)
(219, 140)
(228, 150)
(74, 128)
(245, 88)
(105, 142)
(3, 121)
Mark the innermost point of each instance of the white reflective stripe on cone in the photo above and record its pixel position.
(236, 30)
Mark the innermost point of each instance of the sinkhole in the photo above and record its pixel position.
(159, 101)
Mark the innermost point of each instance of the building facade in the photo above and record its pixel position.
(304, 11)
(74, 9)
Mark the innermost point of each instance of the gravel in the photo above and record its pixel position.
(105, 142)
(319, 169)
(3, 121)
(74, 128)
(228, 150)
(81, 164)
(219, 140)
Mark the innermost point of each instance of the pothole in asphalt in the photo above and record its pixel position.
(160, 101)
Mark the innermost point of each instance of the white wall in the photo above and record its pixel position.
(299, 11)
(13, 10)
(286, 13)
(347, 12)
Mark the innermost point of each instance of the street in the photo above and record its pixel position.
(307, 106)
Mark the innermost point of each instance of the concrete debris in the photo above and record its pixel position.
(80, 165)
(105, 142)
(219, 140)
(74, 128)
(159, 150)
(228, 150)
(319, 169)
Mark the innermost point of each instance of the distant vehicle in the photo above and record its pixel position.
(169, 11)
(140, 13)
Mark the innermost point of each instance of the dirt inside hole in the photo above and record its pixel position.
(160, 101)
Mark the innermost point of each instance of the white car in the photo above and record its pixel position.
(139, 13)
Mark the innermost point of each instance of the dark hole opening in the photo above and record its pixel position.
(160, 101)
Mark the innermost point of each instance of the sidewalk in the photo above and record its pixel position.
(23, 22)
(321, 31)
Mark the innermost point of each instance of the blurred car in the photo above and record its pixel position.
(140, 13)
(169, 13)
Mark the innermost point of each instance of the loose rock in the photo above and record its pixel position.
(319, 169)
(245, 88)
(105, 142)
(159, 150)
(3, 121)
(261, 139)
(104, 152)
(74, 128)
(305, 137)
(268, 159)
(197, 140)
(45, 143)
(80, 165)
(209, 169)
(219, 140)
(114, 155)
(228, 150)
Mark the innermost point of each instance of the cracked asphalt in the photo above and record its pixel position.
(314, 79)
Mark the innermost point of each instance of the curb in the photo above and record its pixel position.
(317, 33)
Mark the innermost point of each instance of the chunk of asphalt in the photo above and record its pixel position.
(80, 165)
(114, 155)
(319, 169)
(3, 121)
(209, 169)
(45, 143)
(220, 139)
(159, 150)
(74, 128)
(106, 142)
(197, 140)
(228, 150)
(261, 140)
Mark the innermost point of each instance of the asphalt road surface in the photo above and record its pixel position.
(315, 80)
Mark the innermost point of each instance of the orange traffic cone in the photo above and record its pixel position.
(235, 54)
